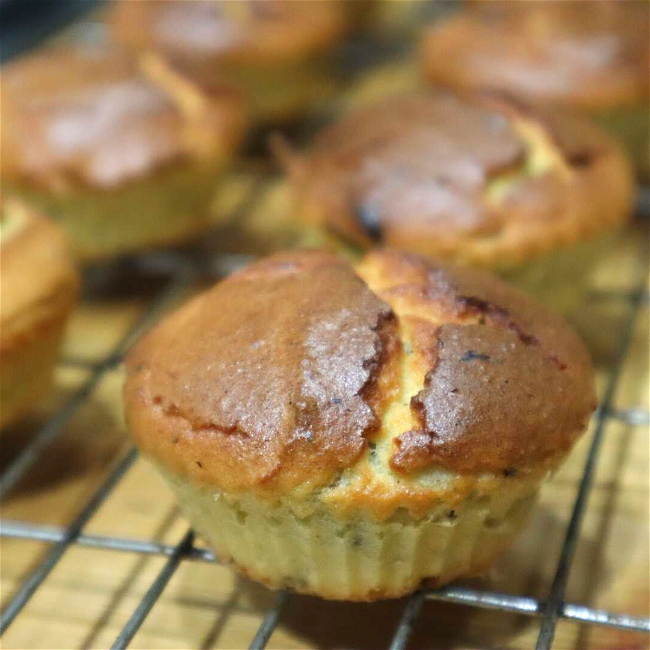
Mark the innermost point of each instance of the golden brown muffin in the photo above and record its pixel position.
(122, 151)
(480, 180)
(592, 56)
(350, 432)
(39, 286)
(275, 50)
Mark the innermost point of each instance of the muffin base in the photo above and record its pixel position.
(631, 125)
(171, 206)
(355, 557)
(27, 368)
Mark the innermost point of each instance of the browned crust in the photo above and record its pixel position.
(276, 377)
(260, 33)
(39, 283)
(508, 385)
(591, 55)
(412, 173)
(268, 380)
(76, 117)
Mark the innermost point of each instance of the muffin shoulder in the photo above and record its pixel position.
(280, 375)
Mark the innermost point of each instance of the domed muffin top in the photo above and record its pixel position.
(286, 372)
(478, 179)
(585, 54)
(95, 116)
(257, 32)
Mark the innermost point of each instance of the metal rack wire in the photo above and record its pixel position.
(183, 270)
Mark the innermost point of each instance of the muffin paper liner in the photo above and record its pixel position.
(353, 558)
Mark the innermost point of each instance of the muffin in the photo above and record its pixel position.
(479, 180)
(39, 285)
(276, 51)
(591, 56)
(352, 431)
(122, 151)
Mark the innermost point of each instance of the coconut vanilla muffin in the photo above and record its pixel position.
(352, 431)
(479, 180)
(591, 56)
(276, 51)
(122, 151)
(39, 286)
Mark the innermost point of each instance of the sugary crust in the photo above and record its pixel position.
(278, 376)
(38, 281)
(588, 55)
(261, 33)
(76, 117)
(415, 173)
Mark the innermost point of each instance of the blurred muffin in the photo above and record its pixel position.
(350, 432)
(477, 180)
(276, 51)
(122, 151)
(403, 19)
(39, 287)
(592, 56)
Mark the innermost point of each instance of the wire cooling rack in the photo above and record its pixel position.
(181, 270)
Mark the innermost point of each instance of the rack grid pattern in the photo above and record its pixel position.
(183, 270)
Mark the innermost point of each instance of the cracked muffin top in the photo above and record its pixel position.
(591, 55)
(483, 180)
(302, 370)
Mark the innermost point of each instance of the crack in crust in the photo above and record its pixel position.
(505, 385)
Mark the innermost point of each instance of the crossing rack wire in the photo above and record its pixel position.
(181, 270)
